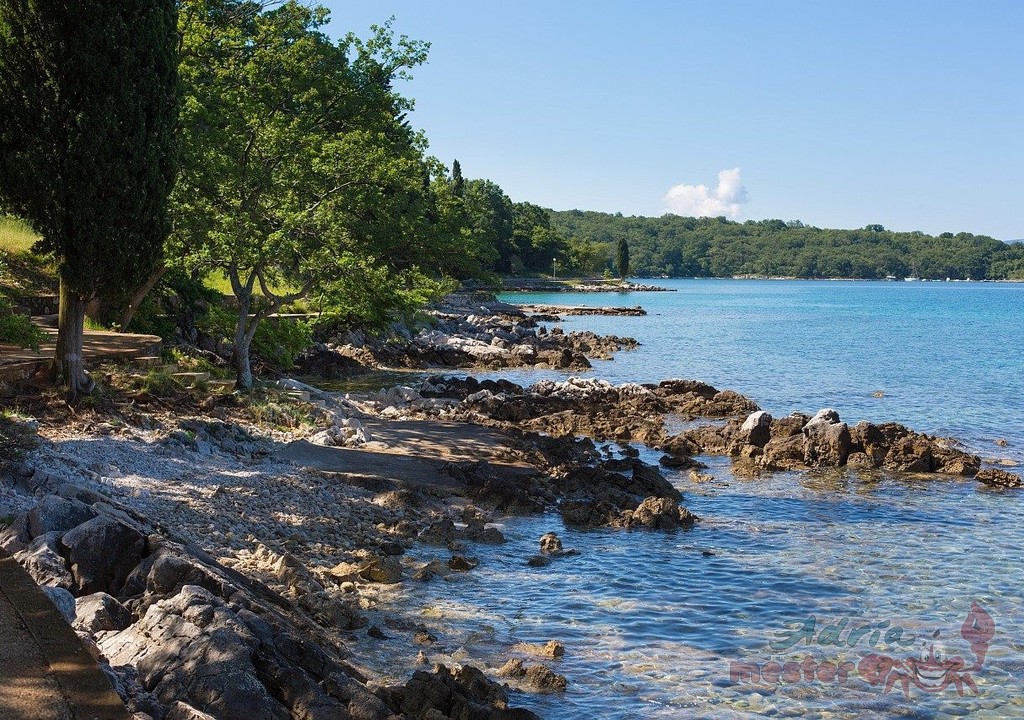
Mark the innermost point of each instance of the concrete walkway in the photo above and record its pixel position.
(17, 363)
(45, 671)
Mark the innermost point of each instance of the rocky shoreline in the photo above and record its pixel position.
(592, 285)
(228, 569)
(468, 330)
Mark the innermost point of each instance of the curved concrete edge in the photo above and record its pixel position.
(60, 679)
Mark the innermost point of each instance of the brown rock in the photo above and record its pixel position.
(999, 478)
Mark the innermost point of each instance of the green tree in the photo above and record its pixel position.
(299, 166)
(489, 223)
(458, 182)
(622, 258)
(89, 106)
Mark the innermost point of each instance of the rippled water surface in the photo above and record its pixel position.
(654, 622)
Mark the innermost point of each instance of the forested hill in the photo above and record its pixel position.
(716, 247)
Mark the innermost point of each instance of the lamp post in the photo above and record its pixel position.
(554, 268)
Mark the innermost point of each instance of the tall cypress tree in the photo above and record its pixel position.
(622, 258)
(89, 97)
(458, 183)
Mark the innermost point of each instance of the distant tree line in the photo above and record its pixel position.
(716, 247)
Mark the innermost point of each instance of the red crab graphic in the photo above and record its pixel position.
(933, 674)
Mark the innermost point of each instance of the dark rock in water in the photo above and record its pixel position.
(462, 693)
(798, 443)
(538, 677)
(386, 570)
(587, 512)
(477, 531)
(460, 563)
(999, 478)
(440, 532)
(504, 490)
(657, 513)
(678, 462)
(550, 544)
(892, 446)
(538, 561)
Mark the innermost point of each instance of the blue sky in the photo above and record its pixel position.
(839, 114)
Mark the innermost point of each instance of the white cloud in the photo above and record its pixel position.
(700, 201)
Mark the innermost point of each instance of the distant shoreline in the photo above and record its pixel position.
(515, 285)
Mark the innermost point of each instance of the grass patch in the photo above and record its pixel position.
(17, 436)
(22, 272)
(217, 280)
(157, 383)
(15, 235)
(268, 407)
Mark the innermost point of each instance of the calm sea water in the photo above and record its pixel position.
(654, 623)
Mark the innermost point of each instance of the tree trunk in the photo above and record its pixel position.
(140, 295)
(67, 362)
(240, 354)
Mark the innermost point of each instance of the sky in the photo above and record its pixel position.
(905, 113)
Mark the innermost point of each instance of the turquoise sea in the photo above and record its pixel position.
(854, 575)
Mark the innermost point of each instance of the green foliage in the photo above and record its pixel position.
(18, 329)
(458, 182)
(715, 247)
(622, 258)
(270, 408)
(372, 297)
(297, 154)
(279, 341)
(176, 307)
(87, 132)
(158, 383)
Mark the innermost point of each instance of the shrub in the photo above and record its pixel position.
(278, 342)
(18, 329)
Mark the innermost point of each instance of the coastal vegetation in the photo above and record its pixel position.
(302, 188)
(87, 148)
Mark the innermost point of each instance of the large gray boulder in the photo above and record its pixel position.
(100, 611)
(756, 429)
(190, 647)
(44, 562)
(54, 513)
(827, 441)
(102, 553)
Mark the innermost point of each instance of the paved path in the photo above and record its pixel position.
(97, 345)
(45, 672)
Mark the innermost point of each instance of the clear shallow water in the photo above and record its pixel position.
(948, 356)
(652, 622)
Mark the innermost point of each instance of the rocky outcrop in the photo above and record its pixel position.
(463, 693)
(537, 677)
(554, 311)
(578, 406)
(182, 636)
(657, 513)
(799, 442)
(999, 478)
(466, 333)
